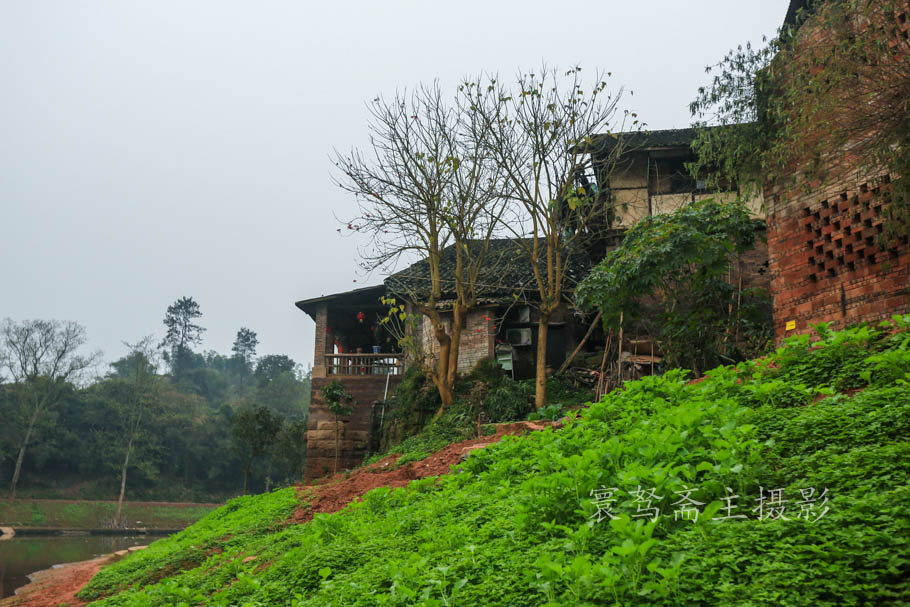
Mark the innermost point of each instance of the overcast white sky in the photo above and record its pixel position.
(155, 149)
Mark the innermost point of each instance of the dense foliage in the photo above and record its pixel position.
(517, 524)
(671, 279)
(821, 99)
(483, 396)
(187, 434)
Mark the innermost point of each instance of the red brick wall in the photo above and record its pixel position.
(826, 258)
(354, 437)
(826, 263)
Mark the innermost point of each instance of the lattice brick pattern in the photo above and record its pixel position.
(842, 234)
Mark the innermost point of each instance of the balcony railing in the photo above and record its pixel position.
(364, 364)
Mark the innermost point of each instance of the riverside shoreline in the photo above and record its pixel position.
(60, 584)
(9, 532)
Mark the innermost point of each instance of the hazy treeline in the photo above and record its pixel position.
(164, 422)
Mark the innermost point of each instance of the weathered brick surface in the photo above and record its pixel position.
(354, 429)
(323, 342)
(477, 338)
(826, 260)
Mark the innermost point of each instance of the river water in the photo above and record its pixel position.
(21, 555)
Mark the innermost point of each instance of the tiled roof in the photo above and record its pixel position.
(505, 272)
(648, 140)
(363, 294)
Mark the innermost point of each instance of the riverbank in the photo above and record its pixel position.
(23, 514)
(59, 584)
(9, 532)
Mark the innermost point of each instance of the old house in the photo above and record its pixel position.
(352, 346)
(823, 261)
(651, 177)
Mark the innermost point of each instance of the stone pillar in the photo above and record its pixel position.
(323, 340)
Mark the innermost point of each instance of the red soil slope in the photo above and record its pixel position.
(338, 491)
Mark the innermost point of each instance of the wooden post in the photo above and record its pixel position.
(581, 344)
(601, 388)
(619, 355)
(652, 357)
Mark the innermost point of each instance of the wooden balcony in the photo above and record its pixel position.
(354, 365)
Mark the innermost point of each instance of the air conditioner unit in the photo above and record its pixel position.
(524, 314)
(519, 337)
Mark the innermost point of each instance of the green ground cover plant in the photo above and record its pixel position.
(519, 522)
(483, 397)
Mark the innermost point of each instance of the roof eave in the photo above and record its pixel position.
(310, 305)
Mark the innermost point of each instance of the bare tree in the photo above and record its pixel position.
(426, 184)
(142, 362)
(541, 136)
(42, 356)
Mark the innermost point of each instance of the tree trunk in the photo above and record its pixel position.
(268, 476)
(126, 463)
(581, 344)
(335, 470)
(442, 367)
(619, 354)
(446, 390)
(540, 391)
(18, 468)
(246, 475)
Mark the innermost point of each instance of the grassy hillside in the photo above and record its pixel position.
(516, 525)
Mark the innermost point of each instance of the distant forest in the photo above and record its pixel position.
(164, 422)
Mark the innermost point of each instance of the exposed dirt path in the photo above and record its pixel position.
(336, 492)
(58, 585)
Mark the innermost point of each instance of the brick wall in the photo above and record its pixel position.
(354, 428)
(826, 256)
(323, 342)
(477, 338)
(825, 260)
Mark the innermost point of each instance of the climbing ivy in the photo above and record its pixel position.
(819, 100)
(670, 279)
